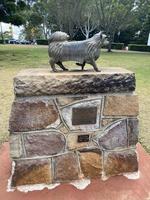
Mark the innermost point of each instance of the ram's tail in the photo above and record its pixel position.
(58, 36)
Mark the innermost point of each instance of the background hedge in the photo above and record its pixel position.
(137, 47)
(118, 46)
(42, 42)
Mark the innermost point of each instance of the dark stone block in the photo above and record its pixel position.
(84, 115)
(66, 168)
(116, 136)
(31, 172)
(32, 114)
(133, 131)
(44, 143)
(120, 162)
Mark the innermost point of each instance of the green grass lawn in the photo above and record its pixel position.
(14, 58)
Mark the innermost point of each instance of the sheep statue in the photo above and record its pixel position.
(86, 51)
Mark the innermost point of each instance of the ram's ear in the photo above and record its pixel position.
(101, 36)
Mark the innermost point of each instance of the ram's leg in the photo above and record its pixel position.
(93, 63)
(82, 65)
(52, 64)
(61, 66)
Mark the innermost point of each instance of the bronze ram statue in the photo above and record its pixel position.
(86, 51)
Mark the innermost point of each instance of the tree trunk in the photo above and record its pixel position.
(111, 39)
(87, 35)
(109, 45)
(2, 36)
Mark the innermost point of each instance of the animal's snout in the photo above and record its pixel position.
(105, 40)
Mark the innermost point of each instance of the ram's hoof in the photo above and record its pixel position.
(54, 70)
(65, 69)
(97, 70)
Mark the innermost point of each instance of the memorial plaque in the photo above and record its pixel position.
(84, 115)
(83, 138)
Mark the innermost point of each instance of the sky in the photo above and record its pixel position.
(15, 29)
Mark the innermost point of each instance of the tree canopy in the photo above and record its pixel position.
(122, 20)
(11, 11)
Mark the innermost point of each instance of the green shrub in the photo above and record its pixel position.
(42, 42)
(137, 47)
(3, 41)
(118, 46)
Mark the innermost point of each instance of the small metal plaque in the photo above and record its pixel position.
(84, 115)
(83, 138)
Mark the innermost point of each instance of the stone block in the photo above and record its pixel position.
(44, 143)
(67, 126)
(115, 136)
(32, 114)
(63, 129)
(66, 167)
(73, 143)
(38, 82)
(31, 172)
(107, 121)
(87, 122)
(133, 131)
(65, 100)
(91, 163)
(16, 150)
(121, 105)
(120, 162)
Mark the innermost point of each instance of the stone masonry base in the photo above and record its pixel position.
(58, 137)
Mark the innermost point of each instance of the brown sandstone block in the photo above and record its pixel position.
(107, 122)
(66, 167)
(121, 105)
(32, 114)
(37, 82)
(91, 164)
(119, 162)
(63, 100)
(31, 172)
(44, 143)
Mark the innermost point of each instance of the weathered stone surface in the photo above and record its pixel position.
(91, 164)
(44, 143)
(32, 114)
(16, 150)
(31, 172)
(33, 82)
(63, 129)
(68, 115)
(72, 141)
(107, 121)
(133, 131)
(116, 163)
(66, 167)
(121, 105)
(115, 136)
(63, 100)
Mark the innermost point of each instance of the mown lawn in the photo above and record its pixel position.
(14, 58)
